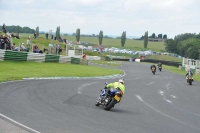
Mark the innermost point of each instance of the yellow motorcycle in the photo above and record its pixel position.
(190, 80)
(153, 69)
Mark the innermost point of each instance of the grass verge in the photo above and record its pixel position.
(18, 70)
(178, 71)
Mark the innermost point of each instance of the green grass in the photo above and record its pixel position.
(18, 70)
(108, 63)
(180, 72)
(107, 42)
(164, 57)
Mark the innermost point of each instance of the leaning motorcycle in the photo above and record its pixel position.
(153, 70)
(190, 79)
(113, 97)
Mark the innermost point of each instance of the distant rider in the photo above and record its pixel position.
(153, 66)
(115, 85)
(189, 72)
(159, 64)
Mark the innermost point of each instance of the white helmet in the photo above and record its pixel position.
(121, 81)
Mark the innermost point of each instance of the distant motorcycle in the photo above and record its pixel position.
(113, 97)
(190, 79)
(160, 68)
(153, 69)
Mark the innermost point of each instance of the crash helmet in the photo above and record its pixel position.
(121, 81)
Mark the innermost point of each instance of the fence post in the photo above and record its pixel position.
(19, 47)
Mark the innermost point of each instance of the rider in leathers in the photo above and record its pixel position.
(159, 64)
(189, 73)
(115, 85)
(153, 66)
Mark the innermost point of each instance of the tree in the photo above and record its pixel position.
(160, 36)
(17, 30)
(146, 39)
(57, 32)
(164, 36)
(190, 48)
(170, 46)
(153, 35)
(100, 37)
(186, 45)
(78, 35)
(123, 38)
(37, 31)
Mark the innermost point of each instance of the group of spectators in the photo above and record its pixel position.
(6, 43)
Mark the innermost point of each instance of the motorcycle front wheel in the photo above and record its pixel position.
(111, 104)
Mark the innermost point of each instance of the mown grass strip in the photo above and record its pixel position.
(14, 70)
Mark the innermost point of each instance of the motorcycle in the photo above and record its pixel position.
(190, 79)
(113, 97)
(153, 70)
(160, 68)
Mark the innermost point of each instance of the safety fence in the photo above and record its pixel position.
(191, 64)
(8, 55)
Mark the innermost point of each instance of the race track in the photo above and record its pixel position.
(160, 103)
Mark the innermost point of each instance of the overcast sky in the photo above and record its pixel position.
(171, 17)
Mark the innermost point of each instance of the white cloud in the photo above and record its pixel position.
(169, 17)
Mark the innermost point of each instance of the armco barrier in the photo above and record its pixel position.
(64, 59)
(2, 53)
(169, 63)
(122, 59)
(15, 56)
(75, 60)
(37, 57)
(52, 58)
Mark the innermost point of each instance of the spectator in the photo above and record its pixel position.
(13, 47)
(28, 44)
(2, 42)
(84, 56)
(4, 28)
(36, 49)
(56, 48)
(59, 49)
(16, 36)
(22, 47)
(35, 35)
(47, 35)
(52, 36)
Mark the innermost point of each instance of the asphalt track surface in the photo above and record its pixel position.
(160, 103)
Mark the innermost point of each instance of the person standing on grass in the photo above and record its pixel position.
(35, 35)
(28, 44)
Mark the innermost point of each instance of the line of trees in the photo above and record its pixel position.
(186, 45)
(18, 29)
(159, 36)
